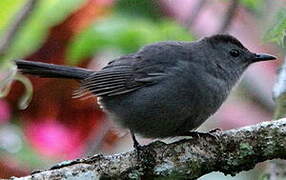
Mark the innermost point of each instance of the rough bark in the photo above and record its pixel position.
(229, 152)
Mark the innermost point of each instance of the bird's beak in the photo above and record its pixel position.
(263, 57)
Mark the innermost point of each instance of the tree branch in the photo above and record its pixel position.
(229, 15)
(18, 21)
(195, 13)
(229, 152)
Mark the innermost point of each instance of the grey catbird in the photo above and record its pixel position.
(165, 89)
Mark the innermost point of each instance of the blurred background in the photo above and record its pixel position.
(88, 33)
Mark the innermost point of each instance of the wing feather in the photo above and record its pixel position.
(123, 91)
(117, 78)
(104, 83)
(96, 89)
(99, 76)
(110, 92)
(107, 80)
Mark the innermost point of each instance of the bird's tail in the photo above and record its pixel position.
(52, 70)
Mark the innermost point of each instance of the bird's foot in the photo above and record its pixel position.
(198, 135)
(215, 130)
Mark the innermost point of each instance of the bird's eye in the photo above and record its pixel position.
(234, 53)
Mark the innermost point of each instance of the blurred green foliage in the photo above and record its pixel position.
(252, 4)
(134, 24)
(140, 8)
(277, 32)
(46, 14)
(125, 34)
(8, 8)
(29, 38)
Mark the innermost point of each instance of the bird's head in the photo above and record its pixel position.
(226, 57)
(226, 49)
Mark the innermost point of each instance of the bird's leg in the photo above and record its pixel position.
(136, 144)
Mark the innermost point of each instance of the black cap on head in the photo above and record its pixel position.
(224, 38)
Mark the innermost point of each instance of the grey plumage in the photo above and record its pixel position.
(165, 89)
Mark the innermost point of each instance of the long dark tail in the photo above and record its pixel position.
(52, 70)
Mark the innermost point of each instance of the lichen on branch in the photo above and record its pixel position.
(229, 152)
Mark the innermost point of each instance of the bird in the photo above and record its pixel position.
(165, 89)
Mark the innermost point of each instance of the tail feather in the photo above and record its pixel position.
(52, 70)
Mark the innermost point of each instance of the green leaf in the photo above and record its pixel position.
(124, 34)
(47, 13)
(8, 9)
(252, 4)
(277, 32)
(139, 8)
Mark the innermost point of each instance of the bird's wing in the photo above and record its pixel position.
(121, 76)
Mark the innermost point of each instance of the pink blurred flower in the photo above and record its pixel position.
(5, 113)
(52, 138)
(236, 113)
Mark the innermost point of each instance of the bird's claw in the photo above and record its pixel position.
(201, 134)
(215, 130)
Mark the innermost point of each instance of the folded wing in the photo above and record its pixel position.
(117, 78)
